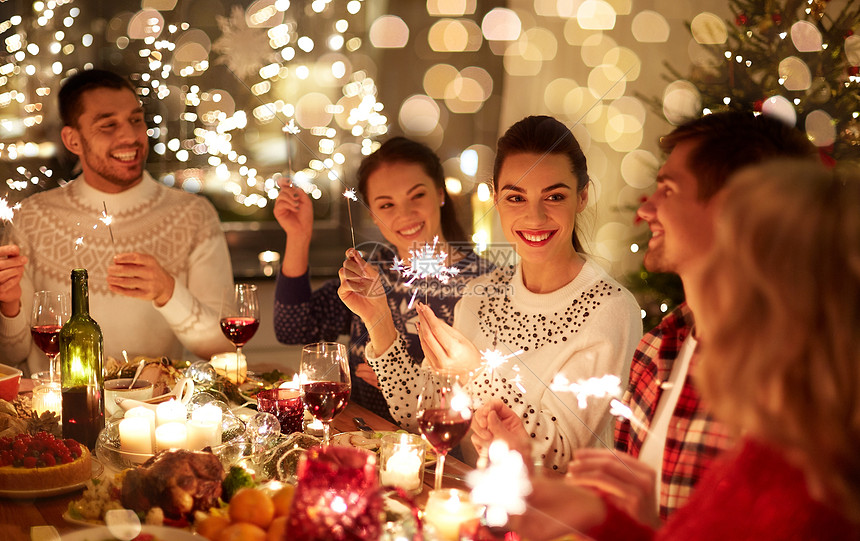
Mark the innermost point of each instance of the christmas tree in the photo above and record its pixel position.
(796, 59)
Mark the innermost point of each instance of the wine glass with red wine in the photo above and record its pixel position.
(50, 311)
(325, 382)
(444, 414)
(240, 317)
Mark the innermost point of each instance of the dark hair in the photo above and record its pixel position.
(78, 84)
(403, 150)
(543, 135)
(729, 141)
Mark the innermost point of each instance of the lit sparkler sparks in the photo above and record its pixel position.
(620, 409)
(425, 263)
(608, 385)
(494, 358)
(502, 486)
(6, 215)
(349, 194)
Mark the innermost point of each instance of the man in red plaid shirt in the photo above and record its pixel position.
(671, 431)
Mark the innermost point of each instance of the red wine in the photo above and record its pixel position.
(325, 399)
(47, 338)
(443, 428)
(239, 329)
(83, 414)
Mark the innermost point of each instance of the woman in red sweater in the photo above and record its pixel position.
(778, 316)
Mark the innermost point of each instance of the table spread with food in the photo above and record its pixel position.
(202, 451)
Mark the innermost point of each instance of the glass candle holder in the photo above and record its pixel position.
(401, 461)
(286, 405)
(447, 510)
(47, 397)
(337, 496)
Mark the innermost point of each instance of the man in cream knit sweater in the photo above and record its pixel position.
(156, 273)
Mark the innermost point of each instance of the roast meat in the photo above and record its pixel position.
(178, 481)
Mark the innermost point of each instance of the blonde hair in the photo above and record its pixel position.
(779, 319)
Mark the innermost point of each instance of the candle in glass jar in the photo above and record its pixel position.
(402, 459)
(225, 365)
(171, 411)
(141, 412)
(135, 436)
(47, 397)
(171, 436)
(447, 509)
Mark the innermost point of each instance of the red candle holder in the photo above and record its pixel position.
(286, 405)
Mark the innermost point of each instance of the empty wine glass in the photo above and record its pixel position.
(50, 311)
(325, 382)
(444, 414)
(240, 317)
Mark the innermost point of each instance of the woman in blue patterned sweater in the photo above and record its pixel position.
(403, 186)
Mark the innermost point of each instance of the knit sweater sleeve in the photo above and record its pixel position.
(193, 312)
(302, 316)
(554, 420)
(400, 381)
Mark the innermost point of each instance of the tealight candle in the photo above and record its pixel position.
(202, 433)
(135, 436)
(170, 436)
(47, 397)
(171, 411)
(447, 509)
(402, 460)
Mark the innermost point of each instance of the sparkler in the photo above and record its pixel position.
(502, 486)
(494, 358)
(107, 219)
(608, 385)
(425, 263)
(349, 194)
(291, 129)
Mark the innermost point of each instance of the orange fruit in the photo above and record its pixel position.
(253, 506)
(211, 526)
(282, 499)
(242, 531)
(277, 530)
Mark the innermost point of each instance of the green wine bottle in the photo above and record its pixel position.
(81, 368)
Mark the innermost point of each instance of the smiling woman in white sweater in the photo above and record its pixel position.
(560, 309)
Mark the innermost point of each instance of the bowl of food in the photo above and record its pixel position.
(10, 380)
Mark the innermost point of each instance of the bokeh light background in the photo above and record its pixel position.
(220, 82)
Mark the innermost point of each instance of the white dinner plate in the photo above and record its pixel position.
(103, 533)
(54, 491)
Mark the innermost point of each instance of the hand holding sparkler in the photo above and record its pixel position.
(362, 292)
(496, 421)
(625, 481)
(12, 265)
(444, 346)
(295, 215)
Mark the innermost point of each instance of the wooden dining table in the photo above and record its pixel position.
(17, 517)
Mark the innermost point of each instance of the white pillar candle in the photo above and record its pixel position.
(135, 436)
(141, 412)
(208, 412)
(202, 433)
(447, 509)
(402, 461)
(171, 436)
(172, 411)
